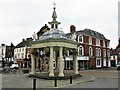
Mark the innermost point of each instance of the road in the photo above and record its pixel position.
(104, 79)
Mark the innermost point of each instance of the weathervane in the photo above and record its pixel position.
(54, 4)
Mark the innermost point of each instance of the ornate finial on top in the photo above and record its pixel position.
(54, 24)
(54, 4)
(54, 15)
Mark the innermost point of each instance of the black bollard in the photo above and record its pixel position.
(34, 84)
(55, 81)
(70, 79)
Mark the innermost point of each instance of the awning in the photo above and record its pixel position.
(69, 58)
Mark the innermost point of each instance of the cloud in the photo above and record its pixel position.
(22, 17)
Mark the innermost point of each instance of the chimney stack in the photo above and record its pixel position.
(72, 29)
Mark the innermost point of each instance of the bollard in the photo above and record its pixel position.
(34, 84)
(55, 81)
(70, 79)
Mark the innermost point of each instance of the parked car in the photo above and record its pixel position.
(14, 66)
(118, 66)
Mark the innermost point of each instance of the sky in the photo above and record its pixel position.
(21, 18)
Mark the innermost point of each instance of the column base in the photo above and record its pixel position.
(75, 73)
(31, 73)
(61, 74)
(51, 75)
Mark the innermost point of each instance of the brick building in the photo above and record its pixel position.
(93, 49)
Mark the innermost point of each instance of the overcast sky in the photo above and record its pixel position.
(21, 18)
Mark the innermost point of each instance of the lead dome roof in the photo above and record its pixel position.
(53, 34)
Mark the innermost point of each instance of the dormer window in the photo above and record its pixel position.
(90, 40)
(103, 43)
(108, 44)
(97, 42)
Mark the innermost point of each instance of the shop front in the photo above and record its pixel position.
(83, 62)
(68, 63)
(113, 63)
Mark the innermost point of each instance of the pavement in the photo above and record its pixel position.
(21, 80)
(84, 78)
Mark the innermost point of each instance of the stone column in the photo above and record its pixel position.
(32, 64)
(51, 63)
(75, 65)
(61, 62)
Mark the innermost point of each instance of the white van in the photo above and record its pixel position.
(14, 66)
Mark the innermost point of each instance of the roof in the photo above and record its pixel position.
(24, 43)
(53, 34)
(89, 32)
(113, 52)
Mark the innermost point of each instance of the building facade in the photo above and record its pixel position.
(2, 51)
(115, 55)
(22, 53)
(6, 55)
(93, 48)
